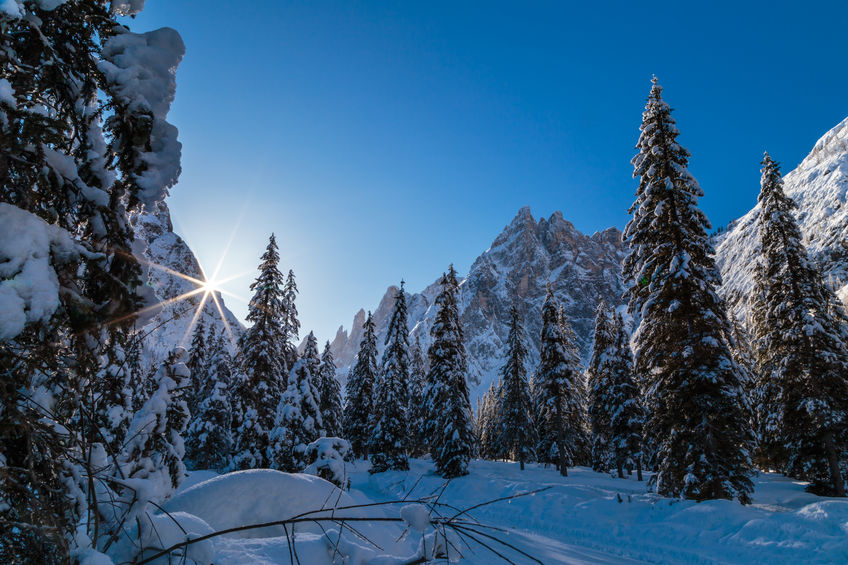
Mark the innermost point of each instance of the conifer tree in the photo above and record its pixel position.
(627, 416)
(261, 364)
(389, 424)
(562, 424)
(311, 356)
(298, 421)
(415, 407)
(209, 440)
(331, 394)
(486, 424)
(601, 402)
(802, 341)
(449, 420)
(517, 433)
(289, 321)
(359, 392)
(198, 364)
(695, 396)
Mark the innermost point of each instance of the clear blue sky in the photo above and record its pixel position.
(385, 140)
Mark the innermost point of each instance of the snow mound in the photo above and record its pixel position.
(259, 496)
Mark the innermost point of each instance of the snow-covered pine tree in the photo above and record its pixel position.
(58, 184)
(331, 394)
(601, 402)
(562, 424)
(627, 416)
(298, 421)
(802, 341)
(311, 355)
(389, 424)
(198, 364)
(289, 321)
(449, 421)
(209, 440)
(517, 431)
(417, 440)
(359, 392)
(261, 364)
(695, 397)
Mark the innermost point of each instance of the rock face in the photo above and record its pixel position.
(819, 186)
(168, 324)
(515, 269)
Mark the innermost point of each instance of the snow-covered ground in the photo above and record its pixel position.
(586, 517)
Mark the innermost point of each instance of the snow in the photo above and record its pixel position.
(127, 7)
(11, 8)
(7, 95)
(141, 72)
(586, 517)
(30, 248)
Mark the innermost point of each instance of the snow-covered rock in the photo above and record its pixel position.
(168, 322)
(526, 256)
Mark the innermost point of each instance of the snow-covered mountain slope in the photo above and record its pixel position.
(521, 261)
(819, 185)
(163, 253)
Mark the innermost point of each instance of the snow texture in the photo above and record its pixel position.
(141, 72)
(30, 248)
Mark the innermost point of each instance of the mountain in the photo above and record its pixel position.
(168, 321)
(819, 186)
(516, 268)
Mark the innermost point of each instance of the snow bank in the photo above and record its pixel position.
(29, 250)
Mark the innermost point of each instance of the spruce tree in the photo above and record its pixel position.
(389, 424)
(802, 341)
(359, 392)
(209, 440)
(695, 395)
(449, 421)
(298, 421)
(311, 356)
(198, 364)
(289, 321)
(601, 403)
(417, 441)
(261, 365)
(331, 394)
(562, 423)
(627, 416)
(517, 431)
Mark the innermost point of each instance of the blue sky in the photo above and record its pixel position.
(385, 140)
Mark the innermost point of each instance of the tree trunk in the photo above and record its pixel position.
(563, 458)
(833, 463)
(639, 469)
(521, 462)
(620, 471)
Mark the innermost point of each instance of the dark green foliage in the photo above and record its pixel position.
(389, 423)
(416, 414)
(627, 416)
(359, 392)
(695, 399)
(516, 430)
(601, 405)
(802, 334)
(331, 394)
(449, 421)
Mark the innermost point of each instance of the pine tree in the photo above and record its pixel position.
(562, 423)
(209, 440)
(449, 420)
(802, 341)
(695, 397)
(261, 365)
(359, 392)
(417, 441)
(389, 423)
(517, 431)
(311, 356)
(601, 403)
(627, 416)
(331, 395)
(198, 364)
(289, 321)
(298, 421)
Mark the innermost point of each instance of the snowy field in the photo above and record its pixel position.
(586, 517)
